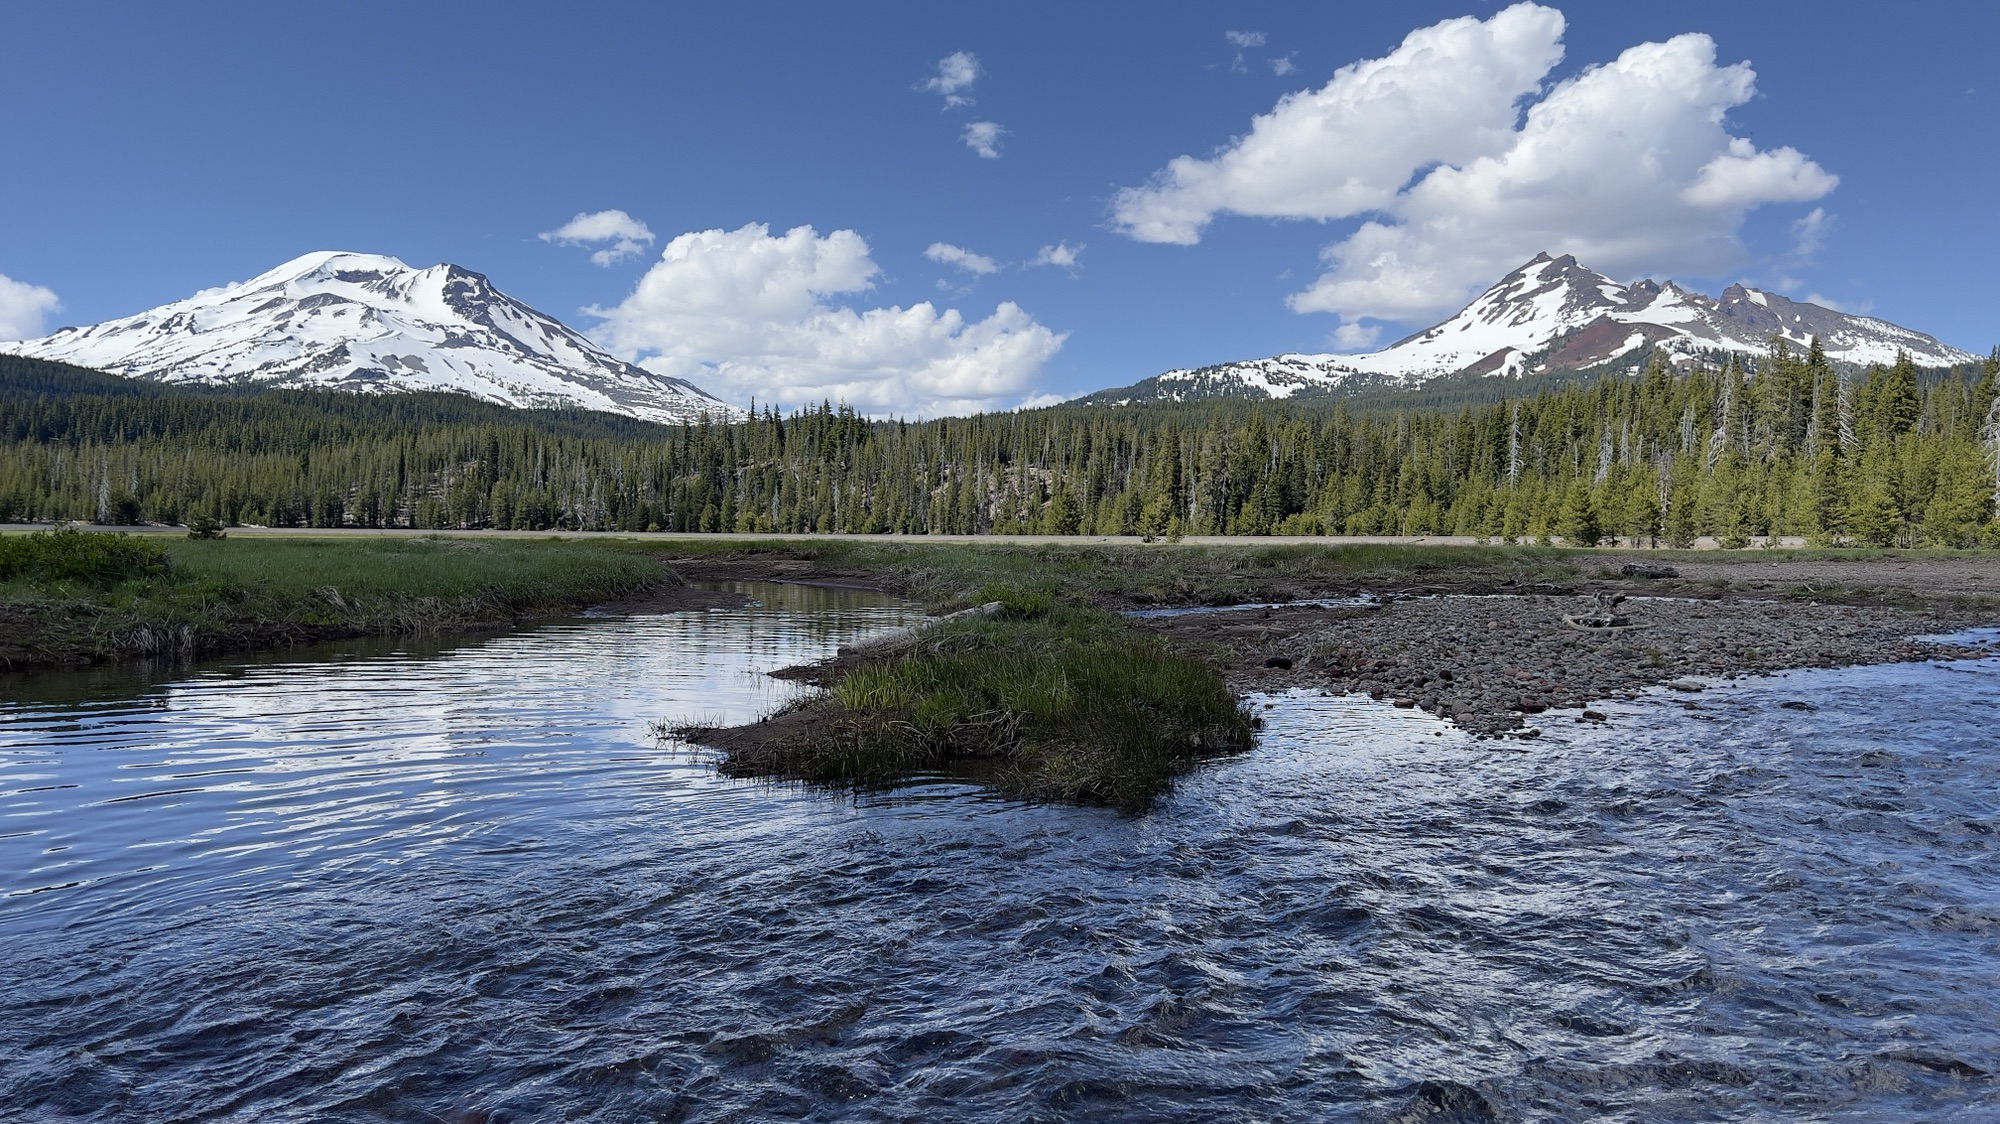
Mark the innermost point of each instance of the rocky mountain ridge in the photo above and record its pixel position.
(370, 323)
(1554, 315)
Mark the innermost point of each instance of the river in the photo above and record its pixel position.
(463, 881)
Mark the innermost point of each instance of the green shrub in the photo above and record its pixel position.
(1015, 602)
(97, 558)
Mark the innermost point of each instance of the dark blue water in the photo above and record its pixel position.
(466, 883)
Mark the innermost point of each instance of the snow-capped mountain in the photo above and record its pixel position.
(1555, 315)
(369, 323)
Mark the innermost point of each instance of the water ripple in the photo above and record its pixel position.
(463, 883)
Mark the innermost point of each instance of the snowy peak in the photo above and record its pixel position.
(1554, 314)
(1544, 298)
(370, 323)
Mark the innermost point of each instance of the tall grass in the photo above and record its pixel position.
(948, 575)
(552, 571)
(1060, 703)
(94, 596)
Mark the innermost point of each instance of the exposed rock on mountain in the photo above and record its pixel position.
(369, 323)
(1554, 315)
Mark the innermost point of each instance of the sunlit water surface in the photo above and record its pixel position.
(465, 883)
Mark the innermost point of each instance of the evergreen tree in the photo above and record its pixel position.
(1579, 524)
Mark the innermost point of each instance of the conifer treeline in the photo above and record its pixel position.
(1789, 447)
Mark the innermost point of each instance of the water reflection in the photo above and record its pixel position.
(373, 751)
(463, 885)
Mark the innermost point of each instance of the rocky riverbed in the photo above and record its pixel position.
(1505, 665)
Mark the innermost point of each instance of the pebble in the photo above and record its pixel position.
(1488, 670)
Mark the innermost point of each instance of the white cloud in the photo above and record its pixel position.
(24, 308)
(983, 137)
(627, 236)
(1628, 165)
(1744, 177)
(1355, 337)
(1062, 255)
(944, 253)
(1040, 401)
(1809, 234)
(1861, 308)
(956, 74)
(1447, 93)
(1242, 41)
(745, 313)
(1285, 65)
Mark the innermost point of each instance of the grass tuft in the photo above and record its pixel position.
(1068, 704)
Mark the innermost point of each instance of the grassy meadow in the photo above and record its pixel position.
(72, 597)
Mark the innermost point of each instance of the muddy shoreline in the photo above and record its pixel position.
(1507, 664)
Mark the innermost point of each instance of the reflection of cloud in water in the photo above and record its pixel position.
(377, 751)
(467, 883)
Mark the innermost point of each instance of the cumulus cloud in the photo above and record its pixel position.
(1062, 255)
(956, 74)
(944, 253)
(983, 137)
(1355, 337)
(1447, 93)
(1629, 165)
(1809, 234)
(627, 236)
(745, 313)
(24, 308)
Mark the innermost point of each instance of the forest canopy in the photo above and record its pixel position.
(1784, 445)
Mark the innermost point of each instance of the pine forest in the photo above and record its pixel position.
(1785, 445)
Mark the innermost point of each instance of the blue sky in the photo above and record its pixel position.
(160, 149)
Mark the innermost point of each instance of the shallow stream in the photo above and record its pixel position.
(463, 882)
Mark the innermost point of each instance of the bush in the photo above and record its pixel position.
(97, 558)
(205, 527)
(1016, 603)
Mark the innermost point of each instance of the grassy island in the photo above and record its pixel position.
(1038, 701)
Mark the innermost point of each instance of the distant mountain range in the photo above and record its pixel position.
(364, 322)
(1549, 316)
(368, 323)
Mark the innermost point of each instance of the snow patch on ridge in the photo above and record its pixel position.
(366, 322)
(1570, 317)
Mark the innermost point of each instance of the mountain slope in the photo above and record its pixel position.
(1554, 315)
(364, 322)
